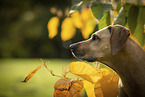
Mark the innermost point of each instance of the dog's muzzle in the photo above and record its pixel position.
(76, 51)
(80, 53)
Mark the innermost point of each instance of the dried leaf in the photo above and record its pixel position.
(53, 27)
(31, 74)
(67, 87)
(62, 93)
(67, 29)
(76, 86)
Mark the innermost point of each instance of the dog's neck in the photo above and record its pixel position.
(129, 63)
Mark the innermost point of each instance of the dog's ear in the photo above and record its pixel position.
(119, 36)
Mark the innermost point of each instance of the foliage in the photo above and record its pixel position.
(102, 82)
(95, 81)
(83, 20)
(98, 82)
(99, 9)
(31, 74)
(127, 13)
(67, 87)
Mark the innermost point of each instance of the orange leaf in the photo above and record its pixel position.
(67, 87)
(107, 86)
(31, 74)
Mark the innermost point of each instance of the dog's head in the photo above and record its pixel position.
(102, 44)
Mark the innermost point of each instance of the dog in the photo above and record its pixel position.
(114, 47)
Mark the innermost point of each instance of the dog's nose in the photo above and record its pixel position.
(73, 47)
(76, 50)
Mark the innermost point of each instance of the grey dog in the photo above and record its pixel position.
(114, 47)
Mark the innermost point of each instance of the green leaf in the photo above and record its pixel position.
(127, 9)
(121, 19)
(136, 22)
(75, 2)
(105, 20)
(122, 16)
(118, 6)
(134, 2)
(132, 18)
(99, 9)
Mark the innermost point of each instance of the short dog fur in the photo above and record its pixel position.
(115, 48)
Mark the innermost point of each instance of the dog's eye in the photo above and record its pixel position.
(109, 29)
(96, 37)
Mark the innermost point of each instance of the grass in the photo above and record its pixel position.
(14, 71)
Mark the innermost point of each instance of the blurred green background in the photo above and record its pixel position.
(23, 40)
(14, 71)
(23, 29)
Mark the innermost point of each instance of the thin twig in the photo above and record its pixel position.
(51, 72)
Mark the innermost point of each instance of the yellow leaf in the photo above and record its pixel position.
(89, 22)
(76, 18)
(89, 87)
(107, 86)
(67, 29)
(106, 82)
(86, 14)
(53, 27)
(85, 71)
(103, 71)
(88, 28)
(32, 73)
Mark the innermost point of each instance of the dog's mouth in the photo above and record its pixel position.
(81, 53)
(88, 59)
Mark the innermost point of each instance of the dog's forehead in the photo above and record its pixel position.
(102, 31)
